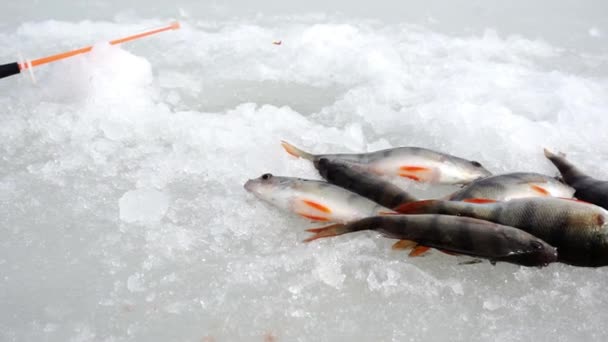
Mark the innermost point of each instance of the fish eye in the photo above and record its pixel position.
(476, 163)
(266, 176)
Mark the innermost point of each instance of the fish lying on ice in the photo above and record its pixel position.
(461, 235)
(311, 199)
(587, 188)
(356, 179)
(415, 163)
(578, 230)
(513, 185)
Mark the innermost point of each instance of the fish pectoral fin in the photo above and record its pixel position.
(316, 206)
(387, 213)
(403, 245)
(419, 251)
(418, 207)
(312, 210)
(314, 217)
(479, 200)
(419, 173)
(540, 190)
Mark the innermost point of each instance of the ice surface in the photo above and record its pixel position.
(123, 216)
(143, 205)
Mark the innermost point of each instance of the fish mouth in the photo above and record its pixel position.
(548, 257)
(538, 258)
(249, 185)
(552, 256)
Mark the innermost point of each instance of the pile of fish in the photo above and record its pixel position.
(522, 218)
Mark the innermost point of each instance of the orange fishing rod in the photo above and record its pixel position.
(16, 67)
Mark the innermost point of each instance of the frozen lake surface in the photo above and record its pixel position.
(122, 211)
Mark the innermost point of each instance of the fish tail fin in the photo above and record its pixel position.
(296, 152)
(568, 171)
(327, 231)
(550, 154)
(418, 207)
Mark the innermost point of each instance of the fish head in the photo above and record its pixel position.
(331, 168)
(322, 164)
(463, 171)
(274, 189)
(537, 253)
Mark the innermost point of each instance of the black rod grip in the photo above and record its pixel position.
(9, 69)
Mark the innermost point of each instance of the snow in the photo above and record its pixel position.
(123, 215)
(143, 205)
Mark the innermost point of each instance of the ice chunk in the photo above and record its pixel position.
(143, 205)
(135, 283)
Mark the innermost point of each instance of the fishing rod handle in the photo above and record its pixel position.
(9, 69)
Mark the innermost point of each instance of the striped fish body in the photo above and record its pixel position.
(587, 188)
(415, 163)
(461, 235)
(509, 186)
(311, 199)
(579, 230)
(356, 179)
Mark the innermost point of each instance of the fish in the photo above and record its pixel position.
(509, 186)
(414, 163)
(312, 199)
(578, 230)
(453, 234)
(587, 188)
(356, 179)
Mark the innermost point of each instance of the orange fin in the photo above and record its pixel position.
(314, 217)
(311, 210)
(317, 206)
(327, 231)
(412, 177)
(448, 252)
(417, 207)
(387, 213)
(296, 152)
(479, 200)
(418, 173)
(403, 244)
(419, 250)
(414, 168)
(540, 190)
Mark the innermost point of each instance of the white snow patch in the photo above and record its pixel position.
(143, 205)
